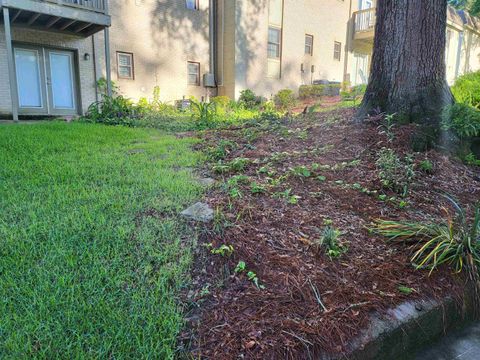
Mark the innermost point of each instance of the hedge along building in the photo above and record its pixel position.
(53, 52)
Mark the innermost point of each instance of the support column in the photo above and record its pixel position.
(107, 61)
(11, 67)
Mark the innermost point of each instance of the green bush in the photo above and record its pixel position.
(249, 100)
(285, 99)
(313, 91)
(222, 103)
(462, 119)
(112, 110)
(467, 89)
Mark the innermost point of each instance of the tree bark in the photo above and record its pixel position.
(408, 73)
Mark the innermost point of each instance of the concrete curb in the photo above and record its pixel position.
(409, 327)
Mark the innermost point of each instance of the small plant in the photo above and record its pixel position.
(394, 173)
(223, 148)
(405, 290)
(329, 242)
(236, 165)
(426, 166)
(203, 113)
(387, 126)
(256, 188)
(242, 267)
(223, 250)
(287, 195)
(301, 171)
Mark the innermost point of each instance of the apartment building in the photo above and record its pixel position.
(53, 52)
(462, 53)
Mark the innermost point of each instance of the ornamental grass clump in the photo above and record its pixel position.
(454, 241)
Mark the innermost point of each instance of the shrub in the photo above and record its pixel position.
(462, 119)
(114, 110)
(222, 103)
(467, 89)
(249, 100)
(471, 159)
(395, 174)
(285, 100)
(315, 91)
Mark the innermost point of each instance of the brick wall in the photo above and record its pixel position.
(162, 35)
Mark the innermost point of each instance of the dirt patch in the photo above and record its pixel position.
(311, 303)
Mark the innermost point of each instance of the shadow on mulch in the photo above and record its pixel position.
(312, 304)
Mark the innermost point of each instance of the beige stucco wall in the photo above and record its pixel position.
(162, 35)
(326, 21)
(80, 45)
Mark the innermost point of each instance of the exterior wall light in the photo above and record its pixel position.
(86, 56)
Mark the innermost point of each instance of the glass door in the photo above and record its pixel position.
(30, 80)
(61, 82)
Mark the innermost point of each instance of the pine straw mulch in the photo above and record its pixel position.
(235, 319)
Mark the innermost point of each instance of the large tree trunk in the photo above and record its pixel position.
(408, 75)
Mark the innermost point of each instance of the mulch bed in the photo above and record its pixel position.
(285, 320)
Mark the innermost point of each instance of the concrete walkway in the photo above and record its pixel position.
(461, 345)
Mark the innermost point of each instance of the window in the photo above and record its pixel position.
(193, 73)
(274, 41)
(125, 65)
(309, 44)
(192, 4)
(337, 51)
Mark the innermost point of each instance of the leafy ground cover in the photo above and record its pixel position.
(290, 268)
(92, 251)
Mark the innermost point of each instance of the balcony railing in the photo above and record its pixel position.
(364, 20)
(93, 5)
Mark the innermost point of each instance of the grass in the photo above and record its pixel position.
(83, 273)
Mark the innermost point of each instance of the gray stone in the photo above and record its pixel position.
(135, 151)
(199, 212)
(206, 181)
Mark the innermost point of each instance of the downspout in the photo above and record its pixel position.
(348, 43)
(94, 58)
(213, 38)
(459, 53)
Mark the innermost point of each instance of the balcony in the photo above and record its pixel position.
(364, 26)
(76, 17)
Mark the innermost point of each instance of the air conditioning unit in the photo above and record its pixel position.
(209, 80)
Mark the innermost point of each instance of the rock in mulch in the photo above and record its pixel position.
(199, 212)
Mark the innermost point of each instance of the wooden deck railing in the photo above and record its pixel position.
(364, 20)
(94, 5)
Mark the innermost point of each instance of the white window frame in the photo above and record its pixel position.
(337, 55)
(197, 73)
(277, 45)
(310, 52)
(131, 66)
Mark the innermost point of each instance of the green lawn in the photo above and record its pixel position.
(92, 252)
